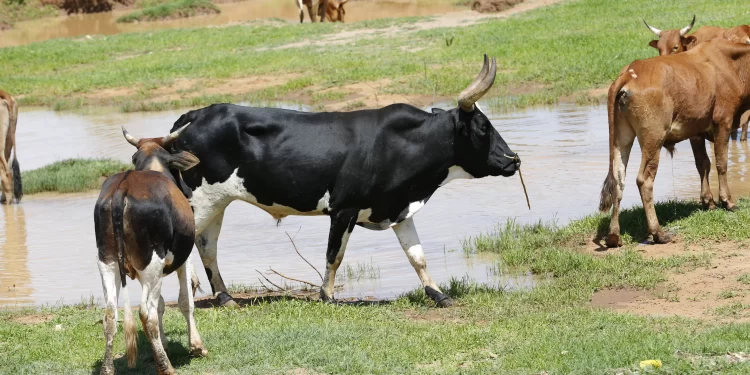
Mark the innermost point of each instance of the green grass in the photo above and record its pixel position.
(543, 55)
(12, 11)
(71, 175)
(549, 328)
(360, 271)
(172, 9)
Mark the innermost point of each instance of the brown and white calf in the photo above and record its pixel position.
(10, 171)
(145, 230)
(663, 100)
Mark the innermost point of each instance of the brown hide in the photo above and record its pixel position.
(334, 10)
(10, 177)
(667, 99)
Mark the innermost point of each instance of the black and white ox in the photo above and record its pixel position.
(372, 168)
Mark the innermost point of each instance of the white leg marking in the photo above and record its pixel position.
(187, 307)
(409, 239)
(330, 277)
(110, 275)
(151, 280)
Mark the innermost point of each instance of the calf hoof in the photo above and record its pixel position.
(662, 237)
(613, 240)
(710, 205)
(225, 300)
(107, 370)
(441, 300)
(168, 371)
(729, 206)
(198, 351)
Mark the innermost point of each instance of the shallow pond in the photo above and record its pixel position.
(249, 10)
(47, 245)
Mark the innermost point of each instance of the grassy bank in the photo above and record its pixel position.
(71, 175)
(543, 55)
(550, 328)
(171, 10)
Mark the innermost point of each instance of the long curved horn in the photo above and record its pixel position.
(479, 87)
(132, 140)
(171, 137)
(653, 29)
(687, 28)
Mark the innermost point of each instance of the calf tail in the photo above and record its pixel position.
(609, 187)
(128, 323)
(118, 229)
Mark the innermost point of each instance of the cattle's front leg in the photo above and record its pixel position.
(645, 181)
(703, 164)
(342, 224)
(721, 148)
(407, 236)
(207, 243)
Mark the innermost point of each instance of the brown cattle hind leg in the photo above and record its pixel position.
(624, 137)
(6, 182)
(151, 280)
(703, 164)
(110, 274)
(342, 225)
(743, 123)
(409, 239)
(646, 175)
(162, 334)
(187, 306)
(721, 148)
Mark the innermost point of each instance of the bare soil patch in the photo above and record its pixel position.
(362, 95)
(32, 319)
(720, 291)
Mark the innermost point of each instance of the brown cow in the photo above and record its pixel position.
(334, 10)
(665, 100)
(312, 10)
(675, 41)
(145, 229)
(10, 171)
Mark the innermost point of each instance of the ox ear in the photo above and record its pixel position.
(689, 41)
(183, 161)
(654, 44)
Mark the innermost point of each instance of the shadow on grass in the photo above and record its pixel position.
(178, 355)
(633, 220)
(255, 300)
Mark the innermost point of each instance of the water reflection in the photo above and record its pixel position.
(15, 278)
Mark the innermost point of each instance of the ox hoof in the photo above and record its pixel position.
(662, 237)
(743, 138)
(198, 351)
(729, 206)
(441, 300)
(710, 205)
(225, 300)
(613, 240)
(168, 371)
(107, 370)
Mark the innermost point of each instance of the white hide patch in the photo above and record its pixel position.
(209, 197)
(169, 258)
(364, 216)
(455, 172)
(632, 73)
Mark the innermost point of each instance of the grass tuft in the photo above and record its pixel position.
(170, 10)
(71, 175)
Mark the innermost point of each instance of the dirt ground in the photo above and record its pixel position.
(720, 291)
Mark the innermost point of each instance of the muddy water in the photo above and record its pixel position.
(47, 247)
(105, 23)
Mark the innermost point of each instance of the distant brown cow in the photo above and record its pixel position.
(10, 171)
(334, 10)
(312, 10)
(665, 100)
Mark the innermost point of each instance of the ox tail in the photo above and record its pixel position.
(15, 167)
(609, 187)
(118, 229)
